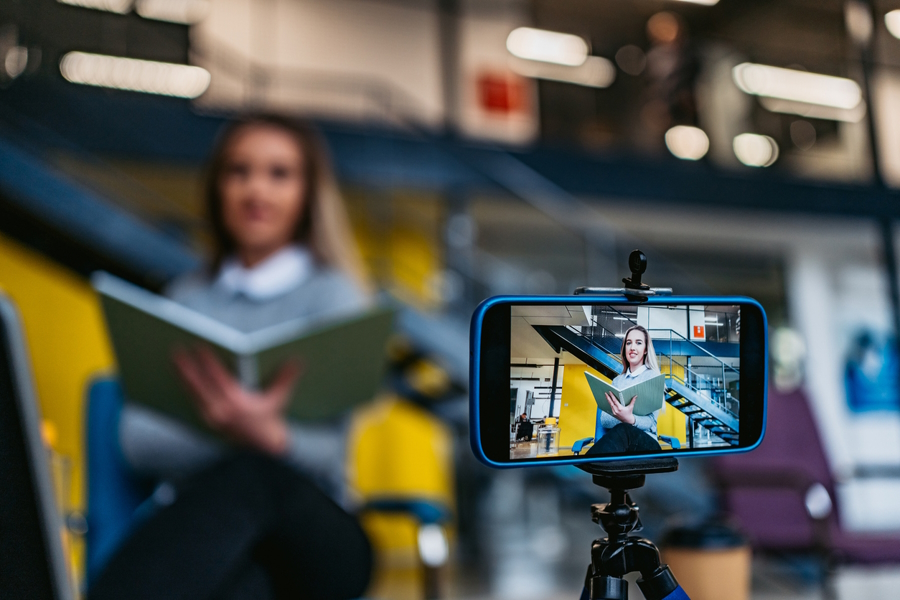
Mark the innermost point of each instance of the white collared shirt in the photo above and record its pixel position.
(280, 273)
(629, 373)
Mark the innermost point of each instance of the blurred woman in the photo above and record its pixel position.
(626, 431)
(262, 521)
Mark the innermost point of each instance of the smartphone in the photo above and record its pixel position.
(573, 379)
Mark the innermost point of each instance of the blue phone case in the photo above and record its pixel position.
(475, 360)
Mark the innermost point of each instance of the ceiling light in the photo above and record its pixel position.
(687, 143)
(117, 6)
(703, 2)
(815, 111)
(797, 86)
(147, 76)
(547, 46)
(186, 12)
(755, 150)
(596, 71)
(892, 22)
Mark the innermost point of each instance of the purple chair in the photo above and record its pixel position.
(783, 494)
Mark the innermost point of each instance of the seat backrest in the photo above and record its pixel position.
(760, 495)
(791, 442)
(113, 492)
(32, 563)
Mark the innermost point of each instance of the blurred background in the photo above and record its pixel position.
(505, 146)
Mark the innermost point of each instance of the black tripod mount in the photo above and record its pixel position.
(620, 553)
(634, 288)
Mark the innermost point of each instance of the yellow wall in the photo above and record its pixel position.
(66, 336)
(67, 345)
(578, 413)
(401, 243)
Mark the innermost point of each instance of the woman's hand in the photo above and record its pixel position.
(252, 418)
(623, 412)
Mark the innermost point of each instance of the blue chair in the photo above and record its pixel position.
(581, 445)
(114, 494)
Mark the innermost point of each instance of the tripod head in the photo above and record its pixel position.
(620, 516)
(620, 553)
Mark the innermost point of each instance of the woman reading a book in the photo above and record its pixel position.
(262, 522)
(625, 431)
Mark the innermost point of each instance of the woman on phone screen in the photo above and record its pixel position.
(260, 518)
(626, 431)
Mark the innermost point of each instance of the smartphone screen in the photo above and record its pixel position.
(589, 380)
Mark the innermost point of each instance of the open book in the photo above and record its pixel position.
(650, 394)
(342, 361)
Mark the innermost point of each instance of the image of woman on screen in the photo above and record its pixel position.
(624, 431)
(263, 516)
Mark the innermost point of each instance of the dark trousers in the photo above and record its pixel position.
(621, 439)
(247, 527)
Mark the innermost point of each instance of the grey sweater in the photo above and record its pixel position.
(646, 423)
(159, 447)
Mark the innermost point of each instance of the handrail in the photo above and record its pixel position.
(34, 138)
(695, 344)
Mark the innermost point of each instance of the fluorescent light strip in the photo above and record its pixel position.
(186, 12)
(547, 46)
(167, 79)
(892, 22)
(703, 2)
(115, 6)
(596, 71)
(814, 111)
(797, 86)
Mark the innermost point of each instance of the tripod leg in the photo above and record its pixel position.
(678, 594)
(603, 587)
(661, 585)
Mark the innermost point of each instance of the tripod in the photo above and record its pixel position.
(619, 553)
(615, 556)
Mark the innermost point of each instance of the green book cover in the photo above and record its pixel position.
(650, 394)
(342, 361)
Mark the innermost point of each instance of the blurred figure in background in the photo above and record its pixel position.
(262, 520)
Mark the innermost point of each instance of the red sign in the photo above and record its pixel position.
(699, 331)
(500, 92)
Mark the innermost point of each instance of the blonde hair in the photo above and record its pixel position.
(649, 354)
(323, 226)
